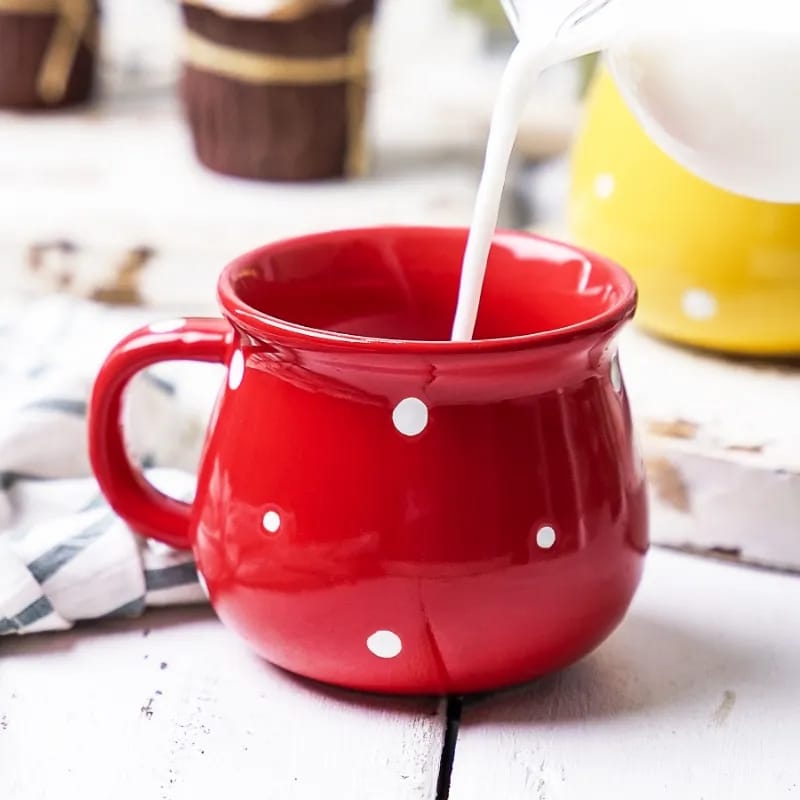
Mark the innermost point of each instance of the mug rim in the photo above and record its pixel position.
(266, 326)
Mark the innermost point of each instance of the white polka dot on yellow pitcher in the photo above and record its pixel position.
(714, 270)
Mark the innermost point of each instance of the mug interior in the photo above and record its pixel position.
(401, 284)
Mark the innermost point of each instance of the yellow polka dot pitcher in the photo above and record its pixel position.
(714, 269)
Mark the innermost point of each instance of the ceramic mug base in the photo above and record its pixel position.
(387, 644)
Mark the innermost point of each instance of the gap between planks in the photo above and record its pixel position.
(174, 707)
(694, 696)
(455, 706)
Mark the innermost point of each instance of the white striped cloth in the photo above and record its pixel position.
(64, 555)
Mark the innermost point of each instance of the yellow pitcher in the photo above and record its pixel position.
(714, 269)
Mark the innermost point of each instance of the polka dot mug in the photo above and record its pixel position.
(384, 509)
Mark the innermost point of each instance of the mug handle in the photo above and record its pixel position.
(146, 510)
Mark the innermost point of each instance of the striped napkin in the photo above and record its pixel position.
(64, 555)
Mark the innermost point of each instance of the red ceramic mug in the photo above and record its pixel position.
(383, 509)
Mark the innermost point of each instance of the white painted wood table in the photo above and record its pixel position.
(695, 696)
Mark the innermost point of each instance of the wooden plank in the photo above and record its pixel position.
(173, 707)
(695, 696)
(721, 439)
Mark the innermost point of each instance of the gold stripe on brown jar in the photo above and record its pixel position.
(282, 98)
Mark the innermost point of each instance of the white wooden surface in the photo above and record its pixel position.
(695, 696)
(173, 707)
(721, 439)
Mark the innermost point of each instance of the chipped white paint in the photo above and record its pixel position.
(722, 438)
(410, 416)
(236, 370)
(696, 695)
(188, 711)
(733, 508)
(385, 644)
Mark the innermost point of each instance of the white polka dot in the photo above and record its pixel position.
(410, 416)
(236, 371)
(545, 537)
(616, 375)
(271, 521)
(604, 185)
(168, 326)
(699, 304)
(384, 644)
(203, 585)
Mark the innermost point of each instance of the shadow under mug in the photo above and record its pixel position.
(383, 509)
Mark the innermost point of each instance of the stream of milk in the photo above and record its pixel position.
(526, 63)
(717, 89)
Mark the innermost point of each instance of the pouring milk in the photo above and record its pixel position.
(715, 83)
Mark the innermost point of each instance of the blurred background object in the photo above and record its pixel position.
(279, 96)
(714, 269)
(489, 10)
(47, 52)
(121, 209)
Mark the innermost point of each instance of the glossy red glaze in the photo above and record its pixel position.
(346, 550)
